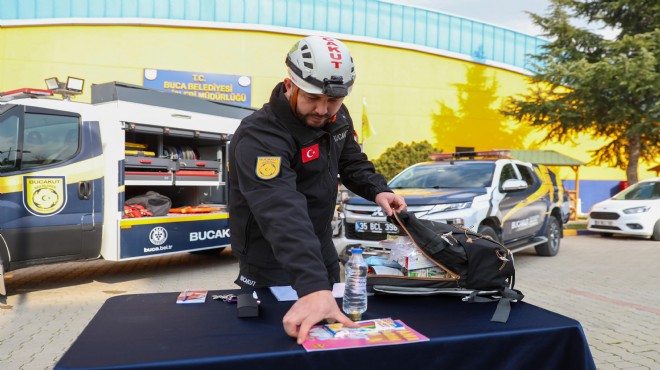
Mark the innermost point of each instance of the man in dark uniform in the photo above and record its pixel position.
(283, 165)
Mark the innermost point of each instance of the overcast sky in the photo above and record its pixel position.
(505, 13)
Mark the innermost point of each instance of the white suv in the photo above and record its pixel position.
(514, 202)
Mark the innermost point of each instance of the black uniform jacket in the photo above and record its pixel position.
(283, 190)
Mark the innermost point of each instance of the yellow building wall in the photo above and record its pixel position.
(403, 88)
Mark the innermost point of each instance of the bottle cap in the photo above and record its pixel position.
(356, 251)
(355, 316)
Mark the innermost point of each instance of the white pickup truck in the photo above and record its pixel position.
(516, 203)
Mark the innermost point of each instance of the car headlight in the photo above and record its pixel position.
(449, 207)
(636, 210)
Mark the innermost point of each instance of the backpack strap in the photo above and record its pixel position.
(503, 305)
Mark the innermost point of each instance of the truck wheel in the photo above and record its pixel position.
(553, 233)
(656, 231)
(488, 231)
(3, 290)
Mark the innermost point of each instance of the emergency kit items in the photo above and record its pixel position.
(403, 259)
(169, 151)
(474, 266)
(180, 152)
(153, 204)
(137, 149)
(149, 204)
(195, 209)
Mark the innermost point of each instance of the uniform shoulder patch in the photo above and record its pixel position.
(268, 167)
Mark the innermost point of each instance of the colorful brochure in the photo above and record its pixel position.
(192, 296)
(377, 332)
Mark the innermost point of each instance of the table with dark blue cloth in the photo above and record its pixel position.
(151, 331)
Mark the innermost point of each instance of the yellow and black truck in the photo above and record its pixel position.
(67, 170)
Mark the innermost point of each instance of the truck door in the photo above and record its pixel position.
(529, 213)
(47, 185)
(510, 204)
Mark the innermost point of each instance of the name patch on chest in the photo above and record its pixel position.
(340, 136)
(310, 153)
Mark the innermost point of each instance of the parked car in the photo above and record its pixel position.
(634, 211)
(338, 219)
(511, 201)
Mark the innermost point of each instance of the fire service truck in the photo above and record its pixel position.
(67, 170)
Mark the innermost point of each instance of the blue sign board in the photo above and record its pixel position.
(231, 89)
(160, 238)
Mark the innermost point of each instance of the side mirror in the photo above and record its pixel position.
(514, 184)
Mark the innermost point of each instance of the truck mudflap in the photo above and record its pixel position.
(142, 237)
(3, 290)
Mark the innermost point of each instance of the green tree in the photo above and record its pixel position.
(401, 156)
(607, 89)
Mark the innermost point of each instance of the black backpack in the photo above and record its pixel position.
(477, 267)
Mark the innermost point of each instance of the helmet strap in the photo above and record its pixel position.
(294, 101)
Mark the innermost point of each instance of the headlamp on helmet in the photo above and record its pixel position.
(334, 87)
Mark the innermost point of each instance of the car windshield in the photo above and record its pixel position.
(445, 175)
(640, 191)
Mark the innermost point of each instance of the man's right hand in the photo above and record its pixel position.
(391, 202)
(310, 310)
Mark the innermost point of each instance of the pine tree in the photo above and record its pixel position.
(607, 89)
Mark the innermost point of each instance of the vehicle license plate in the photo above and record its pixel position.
(603, 223)
(376, 227)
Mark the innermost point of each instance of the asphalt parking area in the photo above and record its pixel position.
(610, 285)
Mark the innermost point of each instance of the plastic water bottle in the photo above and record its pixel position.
(355, 290)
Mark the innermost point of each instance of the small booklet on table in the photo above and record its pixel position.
(192, 296)
(377, 332)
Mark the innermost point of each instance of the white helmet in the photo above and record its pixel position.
(321, 65)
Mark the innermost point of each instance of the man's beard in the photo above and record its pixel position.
(305, 118)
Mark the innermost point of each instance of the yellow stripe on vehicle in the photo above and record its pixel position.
(538, 194)
(86, 170)
(543, 174)
(127, 223)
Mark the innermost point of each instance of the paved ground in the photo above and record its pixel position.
(609, 285)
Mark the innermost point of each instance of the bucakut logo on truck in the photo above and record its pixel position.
(209, 235)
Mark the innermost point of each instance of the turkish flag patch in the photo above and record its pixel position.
(310, 153)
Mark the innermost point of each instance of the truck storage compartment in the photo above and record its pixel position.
(185, 200)
(196, 177)
(148, 171)
(145, 178)
(143, 163)
(148, 163)
(197, 159)
(163, 156)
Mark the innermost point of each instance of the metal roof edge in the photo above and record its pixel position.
(545, 157)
